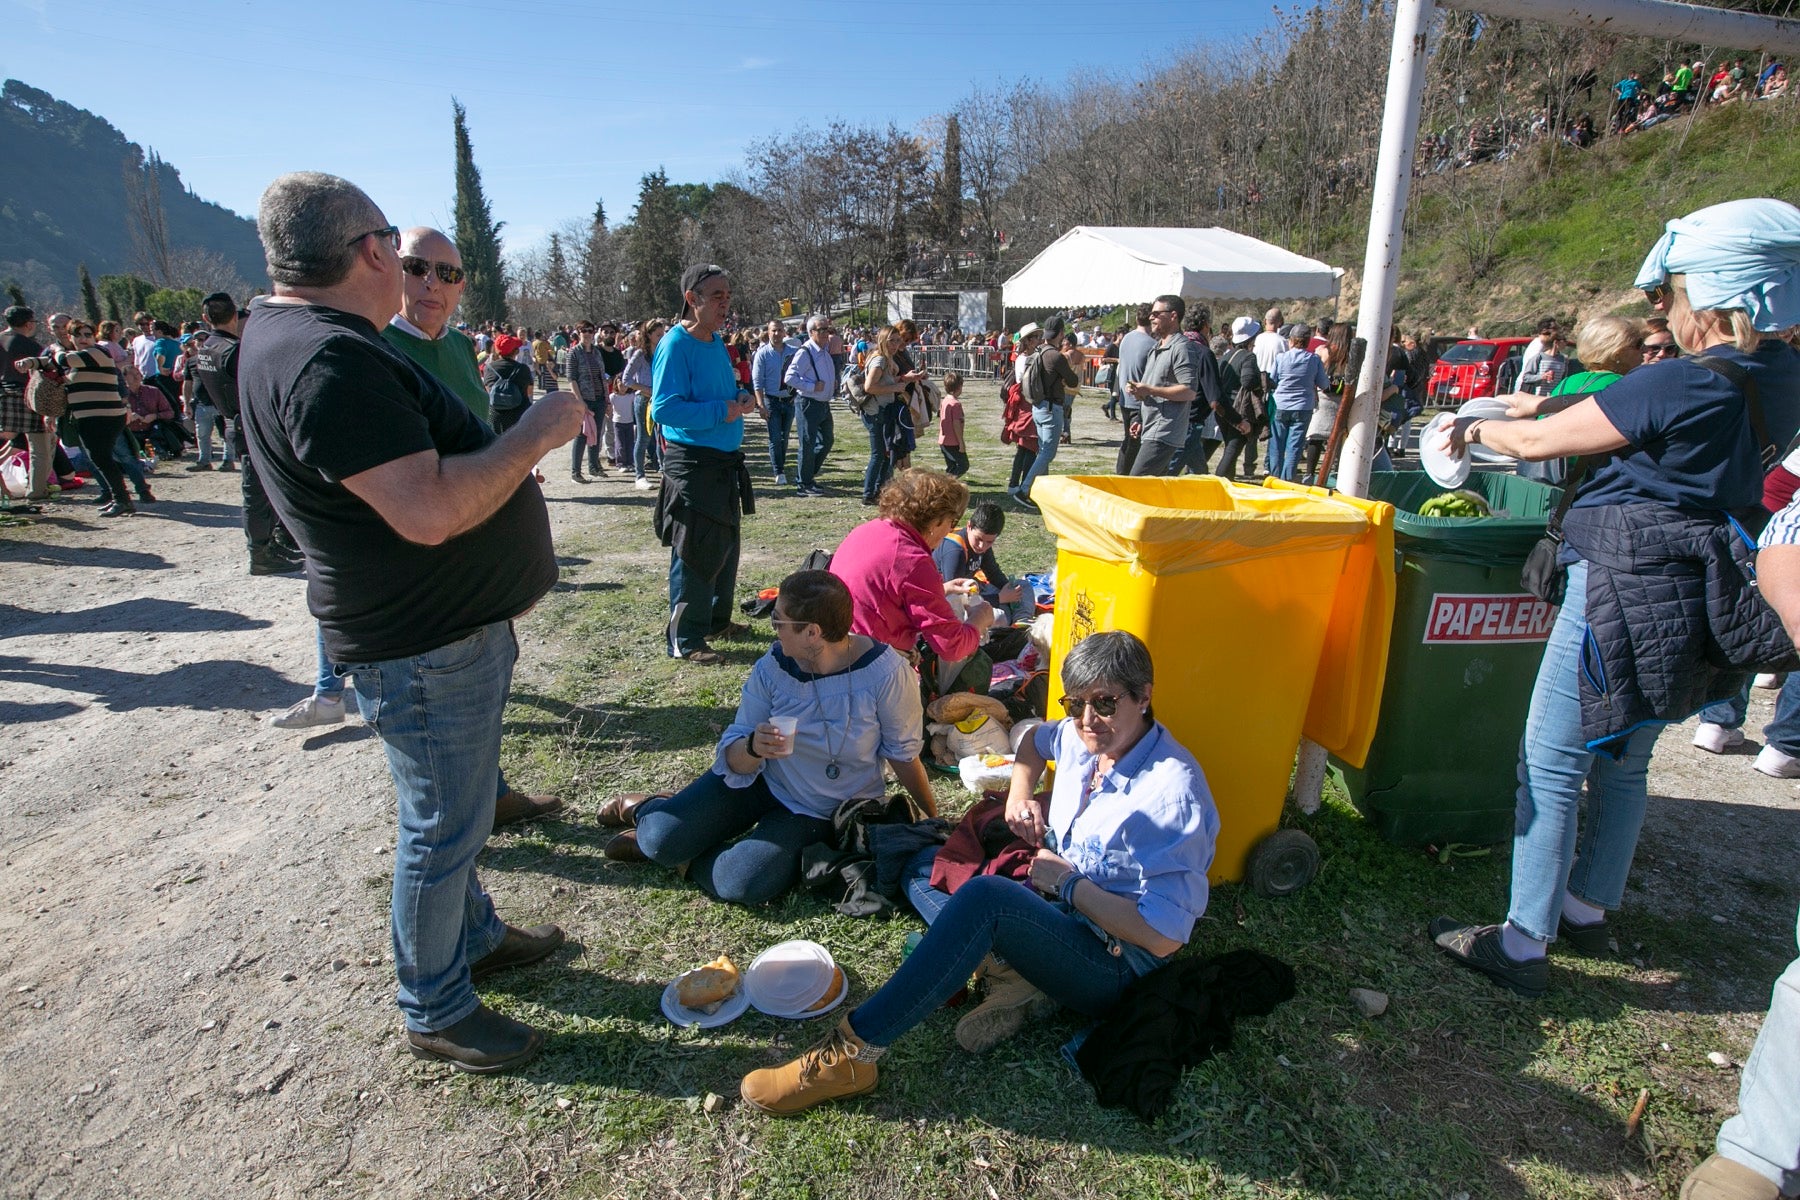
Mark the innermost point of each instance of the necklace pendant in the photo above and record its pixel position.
(831, 770)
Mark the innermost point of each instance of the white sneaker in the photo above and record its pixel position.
(1716, 739)
(642, 484)
(781, 479)
(310, 713)
(1767, 682)
(1778, 763)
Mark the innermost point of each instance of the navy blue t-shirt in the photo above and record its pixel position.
(1776, 368)
(1691, 446)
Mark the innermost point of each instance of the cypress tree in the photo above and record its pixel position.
(653, 251)
(950, 185)
(90, 299)
(477, 234)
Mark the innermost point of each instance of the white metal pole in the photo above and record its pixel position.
(1381, 275)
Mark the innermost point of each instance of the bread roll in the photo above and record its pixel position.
(709, 985)
(831, 993)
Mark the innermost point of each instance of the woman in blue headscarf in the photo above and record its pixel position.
(1654, 583)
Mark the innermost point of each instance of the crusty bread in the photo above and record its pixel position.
(831, 993)
(709, 985)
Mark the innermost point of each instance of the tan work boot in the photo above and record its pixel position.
(841, 1066)
(1719, 1178)
(1008, 1001)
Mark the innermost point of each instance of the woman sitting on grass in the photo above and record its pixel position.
(737, 831)
(1133, 827)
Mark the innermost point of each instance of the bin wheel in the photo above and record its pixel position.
(1283, 863)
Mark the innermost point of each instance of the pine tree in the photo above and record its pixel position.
(90, 299)
(477, 234)
(653, 251)
(556, 272)
(950, 185)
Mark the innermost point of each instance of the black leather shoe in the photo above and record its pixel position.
(520, 946)
(481, 1043)
(1593, 940)
(271, 561)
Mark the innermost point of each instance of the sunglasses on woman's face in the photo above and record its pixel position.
(1103, 706)
(1661, 349)
(418, 268)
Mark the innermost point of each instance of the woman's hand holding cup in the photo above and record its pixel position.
(777, 736)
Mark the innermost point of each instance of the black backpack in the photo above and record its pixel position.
(504, 392)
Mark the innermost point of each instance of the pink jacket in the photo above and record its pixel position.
(898, 592)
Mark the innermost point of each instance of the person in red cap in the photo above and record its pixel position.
(508, 383)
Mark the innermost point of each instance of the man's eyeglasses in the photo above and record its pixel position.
(1103, 706)
(1662, 349)
(447, 274)
(390, 232)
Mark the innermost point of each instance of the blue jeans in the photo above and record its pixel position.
(1049, 421)
(1783, 732)
(438, 717)
(881, 429)
(780, 421)
(602, 414)
(1765, 1135)
(1287, 436)
(1554, 762)
(1054, 949)
(129, 466)
(643, 451)
(815, 439)
(698, 825)
(699, 606)
(204, 417)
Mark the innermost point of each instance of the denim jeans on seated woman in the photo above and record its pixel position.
(438, 717)
(740, 844)
(1052, 948)
(1552, 849)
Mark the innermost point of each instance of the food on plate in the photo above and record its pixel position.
(705, 988)
(994, 760)
(831, 993)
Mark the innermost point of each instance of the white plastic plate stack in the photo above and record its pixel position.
(788, 979)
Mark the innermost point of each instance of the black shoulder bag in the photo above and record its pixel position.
(1544, 574)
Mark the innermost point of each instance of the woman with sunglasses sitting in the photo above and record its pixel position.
(821, 713)
(1129, 830)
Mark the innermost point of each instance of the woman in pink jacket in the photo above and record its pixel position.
(886, 563)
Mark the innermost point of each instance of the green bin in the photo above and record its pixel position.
(1464, 655)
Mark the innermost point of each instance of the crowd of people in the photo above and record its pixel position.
(395, 455)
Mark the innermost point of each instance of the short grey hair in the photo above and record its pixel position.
(309, 222)
(816, 320)
(1115, 657)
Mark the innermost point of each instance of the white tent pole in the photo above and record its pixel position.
(1381, 276)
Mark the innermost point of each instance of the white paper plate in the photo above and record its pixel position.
(1484, 406)
(731, 1010)
(1446, 470)
(788, 977)
(809, 1014)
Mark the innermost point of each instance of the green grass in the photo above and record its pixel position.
(1459, 1088)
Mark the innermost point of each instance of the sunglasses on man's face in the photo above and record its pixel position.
(418, 268)
(1662, 349)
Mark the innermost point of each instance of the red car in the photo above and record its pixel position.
(1475, 367)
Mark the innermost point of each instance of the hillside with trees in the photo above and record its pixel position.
(77, 198)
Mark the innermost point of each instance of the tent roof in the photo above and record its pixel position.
(1121, 264)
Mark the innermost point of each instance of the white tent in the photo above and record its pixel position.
(1122, 264)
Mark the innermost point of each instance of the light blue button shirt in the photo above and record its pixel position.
(1147, 831)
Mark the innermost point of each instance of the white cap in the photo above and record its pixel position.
(1245, 328)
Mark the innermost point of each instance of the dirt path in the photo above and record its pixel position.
(195, 949)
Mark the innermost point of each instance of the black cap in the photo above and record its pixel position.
(696, 275)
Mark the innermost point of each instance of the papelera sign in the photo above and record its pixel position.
(1456, 619)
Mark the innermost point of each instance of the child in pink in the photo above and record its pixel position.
(950, 426)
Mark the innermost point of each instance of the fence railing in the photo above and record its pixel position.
(974, 362)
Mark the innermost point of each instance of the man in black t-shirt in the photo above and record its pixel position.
(425, 535)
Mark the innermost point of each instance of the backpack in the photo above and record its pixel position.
(857, 397)
(504, 393)
(1031, 379)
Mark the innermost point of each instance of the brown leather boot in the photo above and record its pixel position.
(841, 1066)
(621, 810)
(514, 807)
(1009, 1001)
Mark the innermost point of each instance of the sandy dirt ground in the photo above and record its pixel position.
(194, 946)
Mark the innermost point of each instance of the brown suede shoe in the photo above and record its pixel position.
(520, 946)
(841, 1066)
(621, 810)
(515, 806)
(1008, 1001)
(1721, 1178)
(624, 848)
(481, 1043)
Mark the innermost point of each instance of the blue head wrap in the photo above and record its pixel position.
(1740, 254)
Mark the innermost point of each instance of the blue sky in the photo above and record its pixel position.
(568, 102)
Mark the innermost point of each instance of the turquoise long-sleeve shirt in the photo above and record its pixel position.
(692, 388)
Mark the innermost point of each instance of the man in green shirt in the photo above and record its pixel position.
(421, 330)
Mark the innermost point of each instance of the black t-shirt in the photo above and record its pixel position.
(14, 346)
(325, 397)
(215, 367)
(614, 359)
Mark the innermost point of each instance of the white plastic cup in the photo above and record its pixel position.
(786, 727)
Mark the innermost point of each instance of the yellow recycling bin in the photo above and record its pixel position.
(1238, 591)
